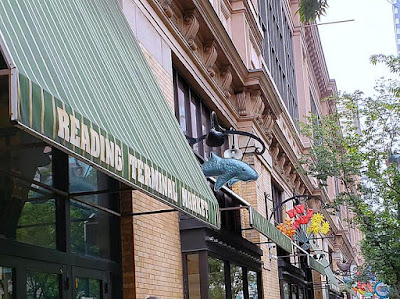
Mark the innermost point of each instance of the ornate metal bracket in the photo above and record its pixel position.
(217, 135)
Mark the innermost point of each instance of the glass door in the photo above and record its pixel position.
(90, 284)
(45, 280)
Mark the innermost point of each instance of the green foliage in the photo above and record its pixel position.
(364, 158)
(310, 10)
(216, 278)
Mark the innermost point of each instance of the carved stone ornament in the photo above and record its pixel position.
(191, 28)
(257, 104)
(210, 56)
(292, 178)
(226, 80)
(241, 103)
(302, 189)
(274, 152)
(287, 169)
(297, 184)
(167, 7)
(281, 161)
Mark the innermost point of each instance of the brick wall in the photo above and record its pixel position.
(163, 77)
(156, 237)
(157, 250)
(127, 245)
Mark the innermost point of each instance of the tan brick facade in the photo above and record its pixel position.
(157, 245)
(164, 79)
(157, 250)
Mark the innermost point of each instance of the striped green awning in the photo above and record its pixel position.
(261, 224)
(81, 82)
(325, 263)
(317, 266)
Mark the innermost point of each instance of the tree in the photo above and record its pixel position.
(310, 10)
(366, 160)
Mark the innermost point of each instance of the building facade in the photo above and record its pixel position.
(396, 20)
(103, 197)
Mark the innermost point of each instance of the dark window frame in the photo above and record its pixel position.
(24, 257)
(204, 275)
(276, 194)
(202, 116)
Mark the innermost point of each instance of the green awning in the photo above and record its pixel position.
(325, 263)
(317, 266)
(262, 225)
(81, 82)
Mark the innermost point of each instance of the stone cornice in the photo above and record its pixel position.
(287, 151)
(317, 60)
(199, 31)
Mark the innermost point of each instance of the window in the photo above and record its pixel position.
(35, 210)
(277, 203)
(6, 282)
(216, 276)
(193, 116)
(58, 220)
(212, 277)
(278, 52)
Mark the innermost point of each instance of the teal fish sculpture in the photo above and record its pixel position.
(228, 171)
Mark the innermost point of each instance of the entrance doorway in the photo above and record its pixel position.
(24, 278)
(59, 224)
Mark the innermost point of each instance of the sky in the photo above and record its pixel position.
(348, 46)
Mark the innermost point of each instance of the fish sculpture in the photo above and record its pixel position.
(228, 171)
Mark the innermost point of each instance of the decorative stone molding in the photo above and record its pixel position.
(292, 178)
(314, 204)
(274, 152)
(267, 123)
(287, 169)
(167, 7)
(297, 184)
(301, 190)
(191, 28)
(281, 161)
(241, 103)
(226, 80)
(210, 56)
(257, 104)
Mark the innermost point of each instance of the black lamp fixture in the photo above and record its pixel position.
(217, 135)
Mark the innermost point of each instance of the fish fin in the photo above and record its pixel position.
(214, 156)
(222, 179)
(233, 181)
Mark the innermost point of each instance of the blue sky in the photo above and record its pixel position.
(348, 46)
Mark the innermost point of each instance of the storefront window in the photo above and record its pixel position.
(37, 223)
(54, 201)
(6, 282)
(286, 291)
(90, 227)
(27, 209)
(87, 288)
(294, 292)
(42, 285)
(252, 281)
(237, 282)
(216, 278)
(82, 177)
(90, 231)
(193, 276)
(301, 293)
